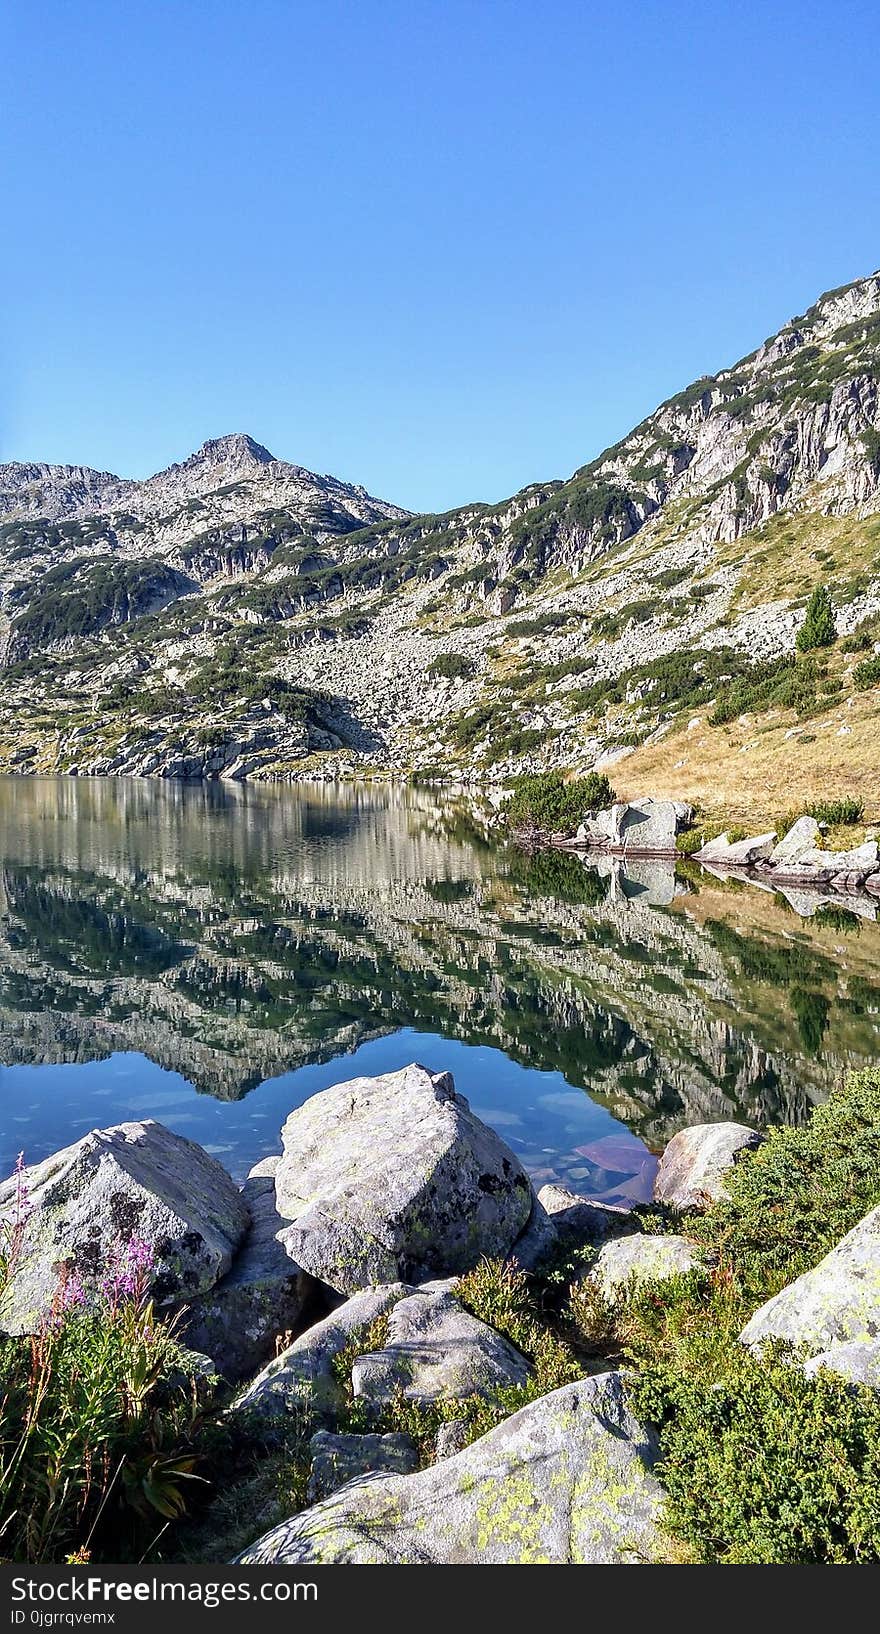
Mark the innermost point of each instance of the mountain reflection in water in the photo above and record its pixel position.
(211, 955)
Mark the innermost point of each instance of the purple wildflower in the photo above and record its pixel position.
(129, 1270)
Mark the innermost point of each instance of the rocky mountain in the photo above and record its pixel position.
(237, 616)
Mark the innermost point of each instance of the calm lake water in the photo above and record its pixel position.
(211, 956)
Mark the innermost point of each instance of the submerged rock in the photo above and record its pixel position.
(395, 1177)
(436, 1350)
(565, 1481)
(694, 1164)
(837, 1302)
(132, 1192)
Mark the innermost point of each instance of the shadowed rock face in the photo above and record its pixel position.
(565, 1481)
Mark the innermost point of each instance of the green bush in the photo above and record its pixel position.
(818, 629)
(800, 1192)
(847, 811)
(454, 666)
(761, 1464)
(867, 674)
(766, 1467)
(544, 803)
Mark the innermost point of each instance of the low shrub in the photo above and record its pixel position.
(452, 666)
(545, 803)
(867, 674)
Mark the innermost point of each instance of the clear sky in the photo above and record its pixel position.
(440, 247)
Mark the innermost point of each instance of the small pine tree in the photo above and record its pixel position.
(818, 628)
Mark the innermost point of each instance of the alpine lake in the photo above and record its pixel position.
(211, 955)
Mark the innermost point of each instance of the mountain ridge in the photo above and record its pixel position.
(580, 621)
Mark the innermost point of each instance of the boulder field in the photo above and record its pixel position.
(329, 1284)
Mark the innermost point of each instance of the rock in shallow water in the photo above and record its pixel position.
(135, 1182)
(565, 1481)
(395, 1177)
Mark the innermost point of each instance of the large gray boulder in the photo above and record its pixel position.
(338, 1459)
(135, 1190)
(263, 1296)
(837, 1302)
(565, 1481)
(395, 1178)
(648, 828)
(628, 1261)
(436, 1351)
(737, 853)
(561, 1222)
(302, 1380)
(694, 1165)
(804, 836)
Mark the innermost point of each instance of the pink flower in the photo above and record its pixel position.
(128, 1272)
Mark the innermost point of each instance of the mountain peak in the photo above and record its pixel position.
(237, 448)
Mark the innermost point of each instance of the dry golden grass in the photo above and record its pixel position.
(752, 770)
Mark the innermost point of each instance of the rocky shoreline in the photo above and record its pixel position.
(332, 1287)
(650, 829)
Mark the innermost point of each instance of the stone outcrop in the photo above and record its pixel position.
(435, 1351)
(838, 1302)
(133, 1196)
(302, 1380)
(565, 1481)
(395, 1178)
(627, 1261)
(694, 1164)
(637, 828)
(561, 1222)
(737, 853)
(338, 1459)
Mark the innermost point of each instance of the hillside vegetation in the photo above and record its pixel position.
(650, 609)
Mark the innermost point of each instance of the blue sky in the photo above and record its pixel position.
(440, 247)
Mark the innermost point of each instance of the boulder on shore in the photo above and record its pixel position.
(565, 1481)
(627, 1261)
(338, 1459)
(696, 1160)
(737, 853)
(395, 1178)
(436, 1351)
(837, 1302)
(561, 1222)
(302, 1380)
(132, 1196)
